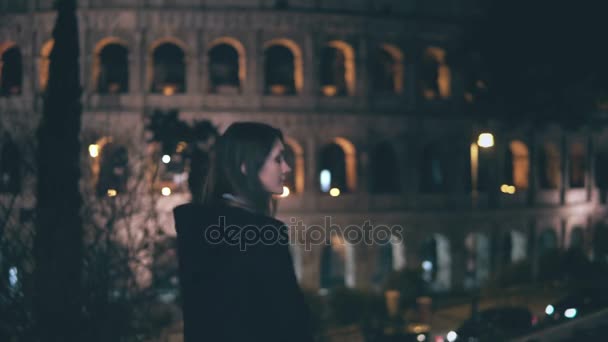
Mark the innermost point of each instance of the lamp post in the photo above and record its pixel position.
(484, 140)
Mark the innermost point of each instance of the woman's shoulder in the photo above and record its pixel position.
(199, 212)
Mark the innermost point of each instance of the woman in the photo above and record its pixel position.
(236, 274)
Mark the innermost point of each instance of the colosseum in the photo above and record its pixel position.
(375, 119)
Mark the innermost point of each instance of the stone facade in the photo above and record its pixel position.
(406, 121)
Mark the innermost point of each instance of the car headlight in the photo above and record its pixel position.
(549, 310)
(570, 313)
(452, 336)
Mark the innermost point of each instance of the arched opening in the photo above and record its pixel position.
(168, 69)
(113, 170)
(332, 165)
(436, 262)
(601, 169)
(577, 167)
(294, 155)
(435, 75)
(384, 263)
(282, 68)
(477, 266)
(601, 173)
(333, 263)
(45, 61)
(11, 70)
(577, 239)
(514, 247)
(387, 74)
(296, 254)
(547, 241)
(332, 70)
(517, 165)
(226, 66)
(337, 69)
(384, 169)
(432, 172)
(600, 243)
(550, 167)
(337, 166)
(10, 166)
(547, 254)
(112, 69)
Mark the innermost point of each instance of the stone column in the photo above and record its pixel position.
(311, 154)
(252, 49)
(256, 83)
(192, 65)
(362, 79)
(534, 170)
(533, 248)
(565, 165)
(410, 85)
(310, 65)
(458, 258)
(590, 166)
(135, 59)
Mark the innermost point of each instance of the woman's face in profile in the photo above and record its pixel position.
(273, 172)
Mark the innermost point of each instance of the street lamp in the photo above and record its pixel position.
(485, 140)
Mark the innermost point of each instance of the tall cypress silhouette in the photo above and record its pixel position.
(58, 245)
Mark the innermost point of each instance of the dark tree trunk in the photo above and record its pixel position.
(58, 243)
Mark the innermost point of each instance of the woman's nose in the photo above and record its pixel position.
(286, 168)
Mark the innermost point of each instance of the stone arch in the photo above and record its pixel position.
(514, 246)
(577, 165)
(547, 241)
(550, 167)
(11, 69)
(436, 262)
(390, 256)
(167, 67)
(111, 66)
(343, 162)
(384, 169)
(226, 63)
(517, 165)
(288, 74)
(388, 74)
(477, 270)
(337, 263)
(436, 77)
(338, 69)
(600, 243)
(577, 238)
(432, 169)
(294, 154)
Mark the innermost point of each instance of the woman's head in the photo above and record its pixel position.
(248, 161)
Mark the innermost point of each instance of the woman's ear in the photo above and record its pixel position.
(243, 169)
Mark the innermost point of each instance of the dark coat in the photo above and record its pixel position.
(235, 294)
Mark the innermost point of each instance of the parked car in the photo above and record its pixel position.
(495, 324)
(578, 303)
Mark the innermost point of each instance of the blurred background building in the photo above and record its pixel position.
(374, 112)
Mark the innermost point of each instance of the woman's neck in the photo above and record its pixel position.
(237, 201)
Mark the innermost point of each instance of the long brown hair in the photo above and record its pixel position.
(243, 143)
